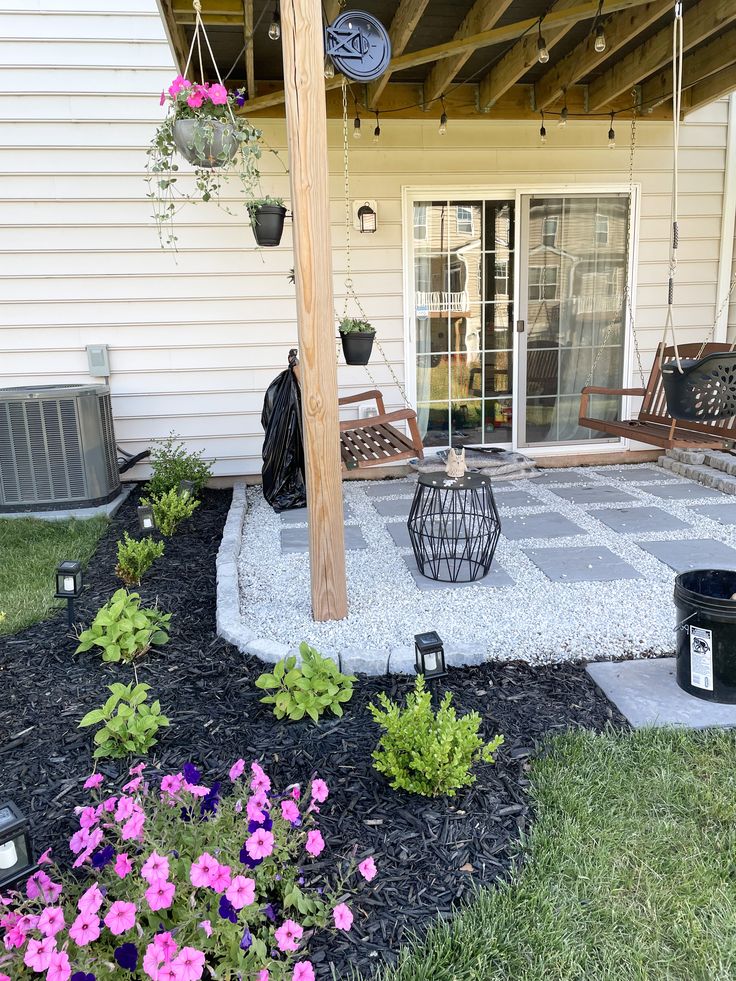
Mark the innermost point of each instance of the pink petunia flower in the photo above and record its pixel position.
(303, 971)
(241, 891)
(88, 817)
(207, 927)
(132, 785)
(160, 894)
(36, 884)
(296, 791)
(288, 935)
(315, 843)
(260, 781)
(45, 859)
(202, 869)
(155, 867)
(120, 918)
(218, 94)
(135, 771)
(166, 944)
(85, 929)
(343, 917)
(15, 937)
(152, 961)
(177, 85)
(320, 791)
(289, 811)
(195, 100)
(91, 900)
(93, 781)
(168, 972)
(38, 954)
(236, 769)
(220, 878)
(125, 809)
(123, 865)
(260, 844)
(51, 921)
(109, 805)
(189, 963)
(262, 975)
(367, 868)
(256, 805)
(162, 100)
(133, 827)
(59, 967)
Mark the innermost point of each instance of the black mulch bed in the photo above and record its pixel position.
(424, 849)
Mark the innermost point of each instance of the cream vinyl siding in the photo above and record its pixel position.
(196, 338)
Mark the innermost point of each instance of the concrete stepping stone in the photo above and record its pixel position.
(296, 539)
(692, 553)
(631, 474)
(560, 477)
(545, 524)
(400, 533)
(646, 692)
(724, 514)
(387, 488)
(683, 491)
(638, 521)
(592, 494)
(581, 564)
(496, 577)
(515, 499)
(393, 509)
(298, 516)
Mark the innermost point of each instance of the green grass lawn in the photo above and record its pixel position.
(30, 550)
(629, 872)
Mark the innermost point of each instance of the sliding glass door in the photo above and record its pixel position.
(572, 312)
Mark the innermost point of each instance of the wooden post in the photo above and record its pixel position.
(306, 121)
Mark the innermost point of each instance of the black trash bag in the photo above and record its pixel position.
(283, 448)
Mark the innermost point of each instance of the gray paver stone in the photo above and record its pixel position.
(358, 661)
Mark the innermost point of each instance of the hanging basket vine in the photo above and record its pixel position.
(201, 124)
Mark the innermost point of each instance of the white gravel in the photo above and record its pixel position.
(536, 620)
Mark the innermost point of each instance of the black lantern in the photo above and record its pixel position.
(186, 488)
(146, 520)
(69, 586)
(430, 655)
(367, 218)
(15, 846)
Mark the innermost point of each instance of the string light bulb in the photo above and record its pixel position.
(600, 39)
(611, 136)
(356, 126)
(542, 131)
(564, 114)
(274, 28)
(329, 67)
(443, 120)
(542, 52)
(377, 131)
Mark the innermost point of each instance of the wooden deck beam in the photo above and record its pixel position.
(402, 27)
(698, 66)
(712, 88)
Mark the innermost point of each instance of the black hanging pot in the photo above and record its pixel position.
(267, 222)
(357, 346)
(701, 389)
(205, 143)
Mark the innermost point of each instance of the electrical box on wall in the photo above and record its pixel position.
(98, 360)
(367, 221)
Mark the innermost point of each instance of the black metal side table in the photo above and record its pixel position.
(454, 526)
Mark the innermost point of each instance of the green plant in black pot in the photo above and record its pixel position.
(357, 340)
(267, 220)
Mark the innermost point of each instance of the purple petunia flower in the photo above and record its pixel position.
(103, 857)
(81, 976)
(227, 910)
(191, 773)
(245, 858)
(211, 800)
(127, 956)
(266, 823)
(247, 940)
(269, 912)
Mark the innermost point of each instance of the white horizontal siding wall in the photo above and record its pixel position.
(195, 339)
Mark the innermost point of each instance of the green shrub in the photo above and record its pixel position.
(170, 509)
(130, 726)
(309, 690)
(172, 463)
(135, 558)
(123, 630)
(349, 325)
(425, 753)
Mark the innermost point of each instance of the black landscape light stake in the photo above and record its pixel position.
(186, 488)
(69, 586)
(146, 520)
(15, 846)
(430, 655)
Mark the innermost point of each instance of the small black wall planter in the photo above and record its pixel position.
(357, 346)
(267, 222)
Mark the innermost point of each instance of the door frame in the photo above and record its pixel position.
(412, 193)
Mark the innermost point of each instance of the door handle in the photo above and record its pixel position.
(520, 326)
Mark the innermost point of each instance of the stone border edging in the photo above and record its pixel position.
(231, 628)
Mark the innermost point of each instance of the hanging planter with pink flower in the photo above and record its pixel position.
(203, 127)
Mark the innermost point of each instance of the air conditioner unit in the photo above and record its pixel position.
(57, 448)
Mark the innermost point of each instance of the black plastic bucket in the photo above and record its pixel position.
(706, 634)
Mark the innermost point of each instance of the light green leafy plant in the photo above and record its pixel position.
(135, 558)
(349, 325)
(425, 753)
(171, 463)
(123, 630)
(130, 726)
(311, 689)
(170, 509)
